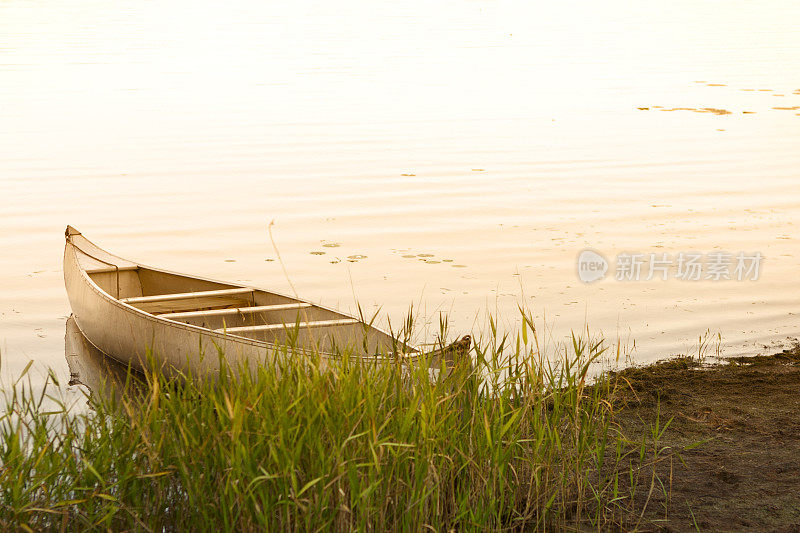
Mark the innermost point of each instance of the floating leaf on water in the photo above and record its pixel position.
(424, 255)
(409, 256)
(332, 244)
(703, 110)
(356, 257)
(716, 111)
(317, 253)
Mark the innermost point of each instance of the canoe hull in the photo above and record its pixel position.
(116, 304)
(131, 336)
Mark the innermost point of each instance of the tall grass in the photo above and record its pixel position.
(513, 441)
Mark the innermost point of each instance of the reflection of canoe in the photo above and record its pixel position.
(90, 367)
(130, 311)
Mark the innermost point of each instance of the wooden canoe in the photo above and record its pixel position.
(131, 312)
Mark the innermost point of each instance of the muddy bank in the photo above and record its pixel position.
(731, 454)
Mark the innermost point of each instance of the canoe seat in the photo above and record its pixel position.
(233, 311)
(192, 301)
(281, 327)
(184, 295)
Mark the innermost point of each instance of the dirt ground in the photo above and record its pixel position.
(745, 413)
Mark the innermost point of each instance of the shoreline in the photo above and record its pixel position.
(733, 441)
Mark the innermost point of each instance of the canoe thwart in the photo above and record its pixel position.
(185, 295)
(279, 327)
(234, 311)
(111, 269)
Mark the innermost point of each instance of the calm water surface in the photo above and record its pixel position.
(455, 156)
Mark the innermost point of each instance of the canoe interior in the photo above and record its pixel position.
(138, 281)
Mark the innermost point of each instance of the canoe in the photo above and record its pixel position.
(189, 325)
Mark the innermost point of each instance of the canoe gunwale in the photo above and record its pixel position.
(410, 357)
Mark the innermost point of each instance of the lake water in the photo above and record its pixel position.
(457, 156)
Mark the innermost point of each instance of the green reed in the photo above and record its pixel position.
(515, 440)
